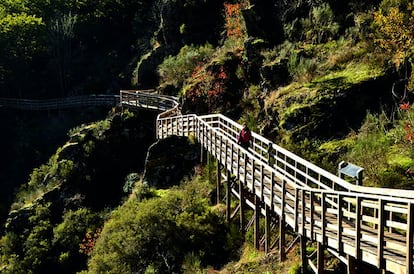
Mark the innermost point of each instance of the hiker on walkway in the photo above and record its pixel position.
(244, 137)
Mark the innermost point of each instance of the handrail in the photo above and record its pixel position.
(60, 103)
(373, 225)
(270, 152)
(143, 99)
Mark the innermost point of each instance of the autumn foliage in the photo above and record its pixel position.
(233, 20)
(210, 86)
(396, 32)
(89, 242)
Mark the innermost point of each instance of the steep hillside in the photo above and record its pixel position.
(71, 194)
(329, 80)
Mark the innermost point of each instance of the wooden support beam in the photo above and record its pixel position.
(257, 222)
(282, 240)
(241, 195)
(320, 258)
(268, 220)
(272, 194)
(303, 255)
(410, 239)
(323, 217)
(312, 213)
(358, 228)
(296, 210)
(351, 267)
(339, 227)
(380, 227)
(228, 198)
(218, 181)
(303, 213)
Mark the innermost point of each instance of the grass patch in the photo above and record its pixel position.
(352, 74)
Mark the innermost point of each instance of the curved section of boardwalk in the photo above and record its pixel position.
(373, 225)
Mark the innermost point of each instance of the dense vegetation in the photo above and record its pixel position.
(330, 80)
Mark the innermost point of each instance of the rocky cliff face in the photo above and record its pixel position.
(169, 161)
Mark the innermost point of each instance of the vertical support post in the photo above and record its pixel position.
(358, 228)
(323, 216)
(296, 214)
(253, 176)
(351, 268)
(339, 227)
(312, 213)
(261, 181)
(220, 152)
(269, 152)
(410, 238)
(218, 181)
(303, 255)
(320, 258)
(282, 238)
(256, 222)
(241, 196)
(202, 154)
(381, 242)
(272, 187)
(228, 197)
(267, 229)
(303, 213)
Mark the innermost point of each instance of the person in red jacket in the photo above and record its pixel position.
(245, 136)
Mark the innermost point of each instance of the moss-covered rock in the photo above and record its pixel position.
(169, 161)
(329, 106)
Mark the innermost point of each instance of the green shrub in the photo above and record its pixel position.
(371, 146)
(321, 25)
(302, 69)
(174, 70)
(75, 224)
(159, 232)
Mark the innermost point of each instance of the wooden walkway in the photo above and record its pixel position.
(355, 223)
(60, 103)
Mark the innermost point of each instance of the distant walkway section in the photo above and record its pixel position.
(60, 103)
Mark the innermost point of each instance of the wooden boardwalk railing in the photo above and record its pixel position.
(355, 223)
(60, 103)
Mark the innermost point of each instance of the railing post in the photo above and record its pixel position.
(320, 258)
(268, 221)
(323, 217)
(241, 196)
(312, 213)
(410, 239)
(253, 176)
(296, 210)
(358, 228)
(381, 242)
(220, 148)
(256, 222)
(218, 182)
(339, 227)
(228, 197)
(303, 255)
(282, 254)
(272, 186)
(303, 215)
(261, 181)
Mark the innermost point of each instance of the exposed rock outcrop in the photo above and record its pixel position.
(169, 161)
